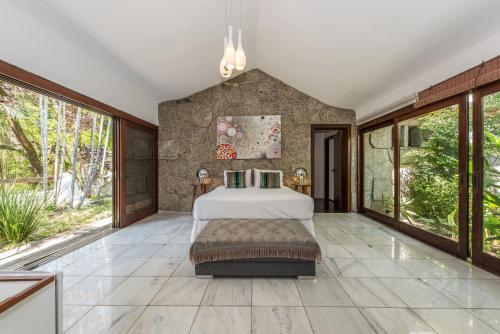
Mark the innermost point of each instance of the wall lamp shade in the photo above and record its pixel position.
(224, 71)
(230, 53)
(202, 174)
(241, 58)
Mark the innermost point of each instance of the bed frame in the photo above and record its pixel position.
(257, 267)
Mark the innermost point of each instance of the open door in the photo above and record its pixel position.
(138, 172)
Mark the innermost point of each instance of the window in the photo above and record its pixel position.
(378, 171)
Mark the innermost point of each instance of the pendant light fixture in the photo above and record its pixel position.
(224, 71)
(232, 59)
(230, 53)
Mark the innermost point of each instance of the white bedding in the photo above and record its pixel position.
(253, 203)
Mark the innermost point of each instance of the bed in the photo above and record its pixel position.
(252, 203)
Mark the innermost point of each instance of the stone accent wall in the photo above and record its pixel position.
(187, 132)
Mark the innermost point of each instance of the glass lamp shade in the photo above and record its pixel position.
(230, 53)
(241, 58)
(202, 174)
(224, 71)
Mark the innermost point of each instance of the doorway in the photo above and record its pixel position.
(330, 161)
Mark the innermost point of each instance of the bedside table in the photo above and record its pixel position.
(302, 188)
(203, 191)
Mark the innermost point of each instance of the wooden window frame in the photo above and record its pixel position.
(41, 85)
(458, 248)
(479, 257)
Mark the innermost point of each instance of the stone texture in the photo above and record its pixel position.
(187, 132)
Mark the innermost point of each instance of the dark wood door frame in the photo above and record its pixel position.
(346, 161)
(128, 219)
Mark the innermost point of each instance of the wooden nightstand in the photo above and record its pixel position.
(304, 188)
(203, 191)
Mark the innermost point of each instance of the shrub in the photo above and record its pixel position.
(21, 211)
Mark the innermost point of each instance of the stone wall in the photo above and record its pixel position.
(378, 171)
(187, 132)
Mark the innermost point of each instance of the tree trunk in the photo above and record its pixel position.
(103, 162)
(56, 158)
(75, 155)
(31, 154)
(63, 149)
(87, 190)
(43, 106)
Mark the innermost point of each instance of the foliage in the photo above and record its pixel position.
(21, 212)
(429, 180)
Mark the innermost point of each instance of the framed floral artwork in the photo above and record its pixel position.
(249, 137)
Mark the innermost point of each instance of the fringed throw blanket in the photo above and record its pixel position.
(237, 239)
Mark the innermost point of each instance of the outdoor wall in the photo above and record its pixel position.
(187, 132)
(378, 171)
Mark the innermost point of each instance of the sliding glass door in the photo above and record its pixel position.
(138, 163)
(486, 176)
(378, 172)
(414, 174)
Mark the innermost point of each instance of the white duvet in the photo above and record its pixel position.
(252, 203)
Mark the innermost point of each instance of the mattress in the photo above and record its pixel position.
(253, 203)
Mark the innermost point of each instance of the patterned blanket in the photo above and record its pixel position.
(237, 239)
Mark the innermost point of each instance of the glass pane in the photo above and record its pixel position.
(429, 171)
(378, 171)
(491, 181)
(139, 170)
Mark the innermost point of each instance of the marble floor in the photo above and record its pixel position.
(372, 279)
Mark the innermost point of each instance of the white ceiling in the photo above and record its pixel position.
(356, 54)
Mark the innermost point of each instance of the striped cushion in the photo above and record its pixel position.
(270, 180)
(236, 179)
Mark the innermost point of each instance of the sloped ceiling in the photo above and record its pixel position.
(355, 54)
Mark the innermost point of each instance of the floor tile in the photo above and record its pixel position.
(158, 266)
(85, 266)
(337, 320)
(185, 269)
(275, 292)
(370, 292)
(228, 291)
(119, 267)
(454, 321)
(323, 291)
(385, 268)
(289, 320)
(135, 291)
(73, 313)
(395, 321)
(222, 320)
(364, 252)
(181, 291)
(347, 268)
(165, 319)
(107, 319)
(336, 252)
(489, 316)
(469, 293)
(142, 250)
(173, 250)
(417, 293)
(91, 290)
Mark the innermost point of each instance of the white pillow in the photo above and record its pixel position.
(256, 175)
(248, 178)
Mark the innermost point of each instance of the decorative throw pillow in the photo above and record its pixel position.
(248, 177)
(257, 176)
(236, 179)
(270, 180)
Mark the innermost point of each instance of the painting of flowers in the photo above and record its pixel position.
(249, 137)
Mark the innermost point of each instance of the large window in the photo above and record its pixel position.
(429, 171)
(378, 171)
(491, 174)
(55, 157)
